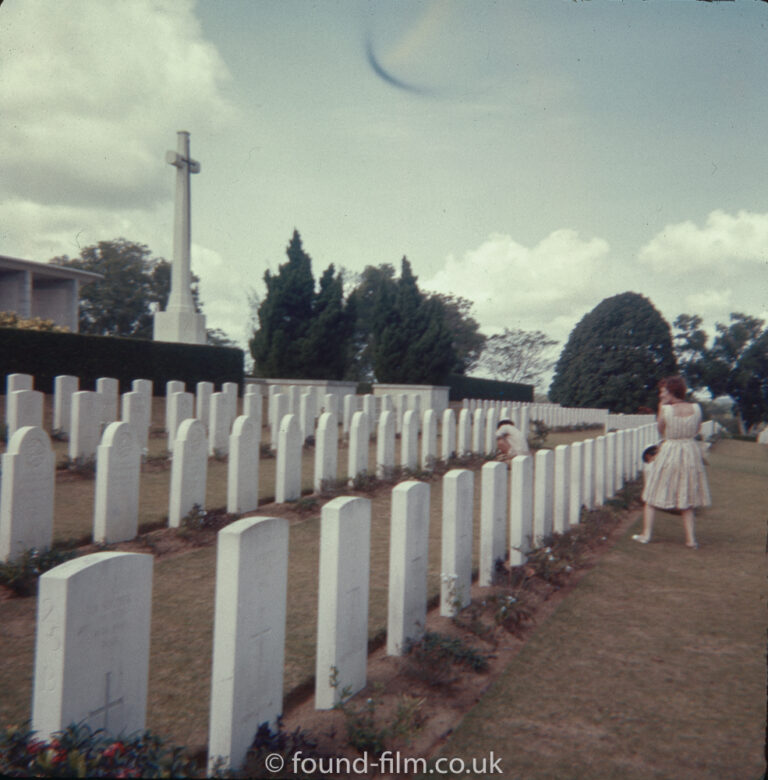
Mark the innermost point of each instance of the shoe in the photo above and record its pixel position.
(640, 538)
(694, 546)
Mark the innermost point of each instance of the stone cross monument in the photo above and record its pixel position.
(180, 322)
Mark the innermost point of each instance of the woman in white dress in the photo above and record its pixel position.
(677, 479)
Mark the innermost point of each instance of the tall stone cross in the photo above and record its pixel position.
(180, 322)
(181, 275)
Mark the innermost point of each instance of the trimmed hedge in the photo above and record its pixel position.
(45, 355)
(472, 387)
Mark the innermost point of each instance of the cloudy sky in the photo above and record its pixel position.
(534, 156)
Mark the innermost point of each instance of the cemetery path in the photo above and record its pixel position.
(655, 665)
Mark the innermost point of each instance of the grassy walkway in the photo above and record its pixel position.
(655, 666)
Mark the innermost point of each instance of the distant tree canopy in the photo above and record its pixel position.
(302, 333)
(385, 329)
(735, 365)
(134, 283)
(615, 357)
(518, 355)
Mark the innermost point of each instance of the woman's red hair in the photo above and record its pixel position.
(676, 385)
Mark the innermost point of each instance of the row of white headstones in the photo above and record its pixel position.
(27, 491)
(92, 645)
(93, 630)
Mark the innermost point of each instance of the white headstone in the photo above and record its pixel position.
(491, 422)
(243, 467)
(342, 605)
(15, 382)
(493, 519)
(456, 542)
(358, 446)
(408, 564)
(203, 393)
(331, 404)
(588, 474)
(174, 386)
(350, 407)
(520, 509)
(369, 407)
(189, 471)
(562, 485)
(63, 387)
(409, 441)
(179, 407)
(576, 481)
(429, 440)
(219, 425)
(26, 493)
(762, 437)
(385, 445)
(231, 390)
(464, 433)
(307, 415)
(24, 408)
(326, 452)
(543, 494)
(448, 436)
(248, 634)
(108, 390)
(278, 408)
(92, 646)
(253, 407)
(86, 425)
(288, 473)
(136, 413)
(478, 432)
(599, 470)
(610, 464)
(116, 504)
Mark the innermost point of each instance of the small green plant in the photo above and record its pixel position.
(84, 467)
(512, 610)
(431, 658)
(306, 505)
(21, 574)
(79, 752)
(282, 743)
(364, 482)
(371, 732)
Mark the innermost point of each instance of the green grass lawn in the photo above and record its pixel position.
(655, 666)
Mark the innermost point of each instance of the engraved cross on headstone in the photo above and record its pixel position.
(107, 704)
(181, 295)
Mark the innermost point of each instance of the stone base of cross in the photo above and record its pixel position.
(180, 327)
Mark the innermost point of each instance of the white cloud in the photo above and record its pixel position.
(547, 286)
(224, 293)
(91, 92)
(731, 244)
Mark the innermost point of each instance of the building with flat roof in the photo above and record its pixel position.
(50, 292)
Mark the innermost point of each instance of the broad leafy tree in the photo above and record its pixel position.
(134, 282)
(615, 357)
(518, 355)
(748, 384)
(691, 349)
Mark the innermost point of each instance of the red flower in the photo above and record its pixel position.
(35, 746)
(60, 756)
(114, 749)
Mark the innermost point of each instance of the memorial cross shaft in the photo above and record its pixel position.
(181, 295)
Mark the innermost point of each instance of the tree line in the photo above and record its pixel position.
(378, 325)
